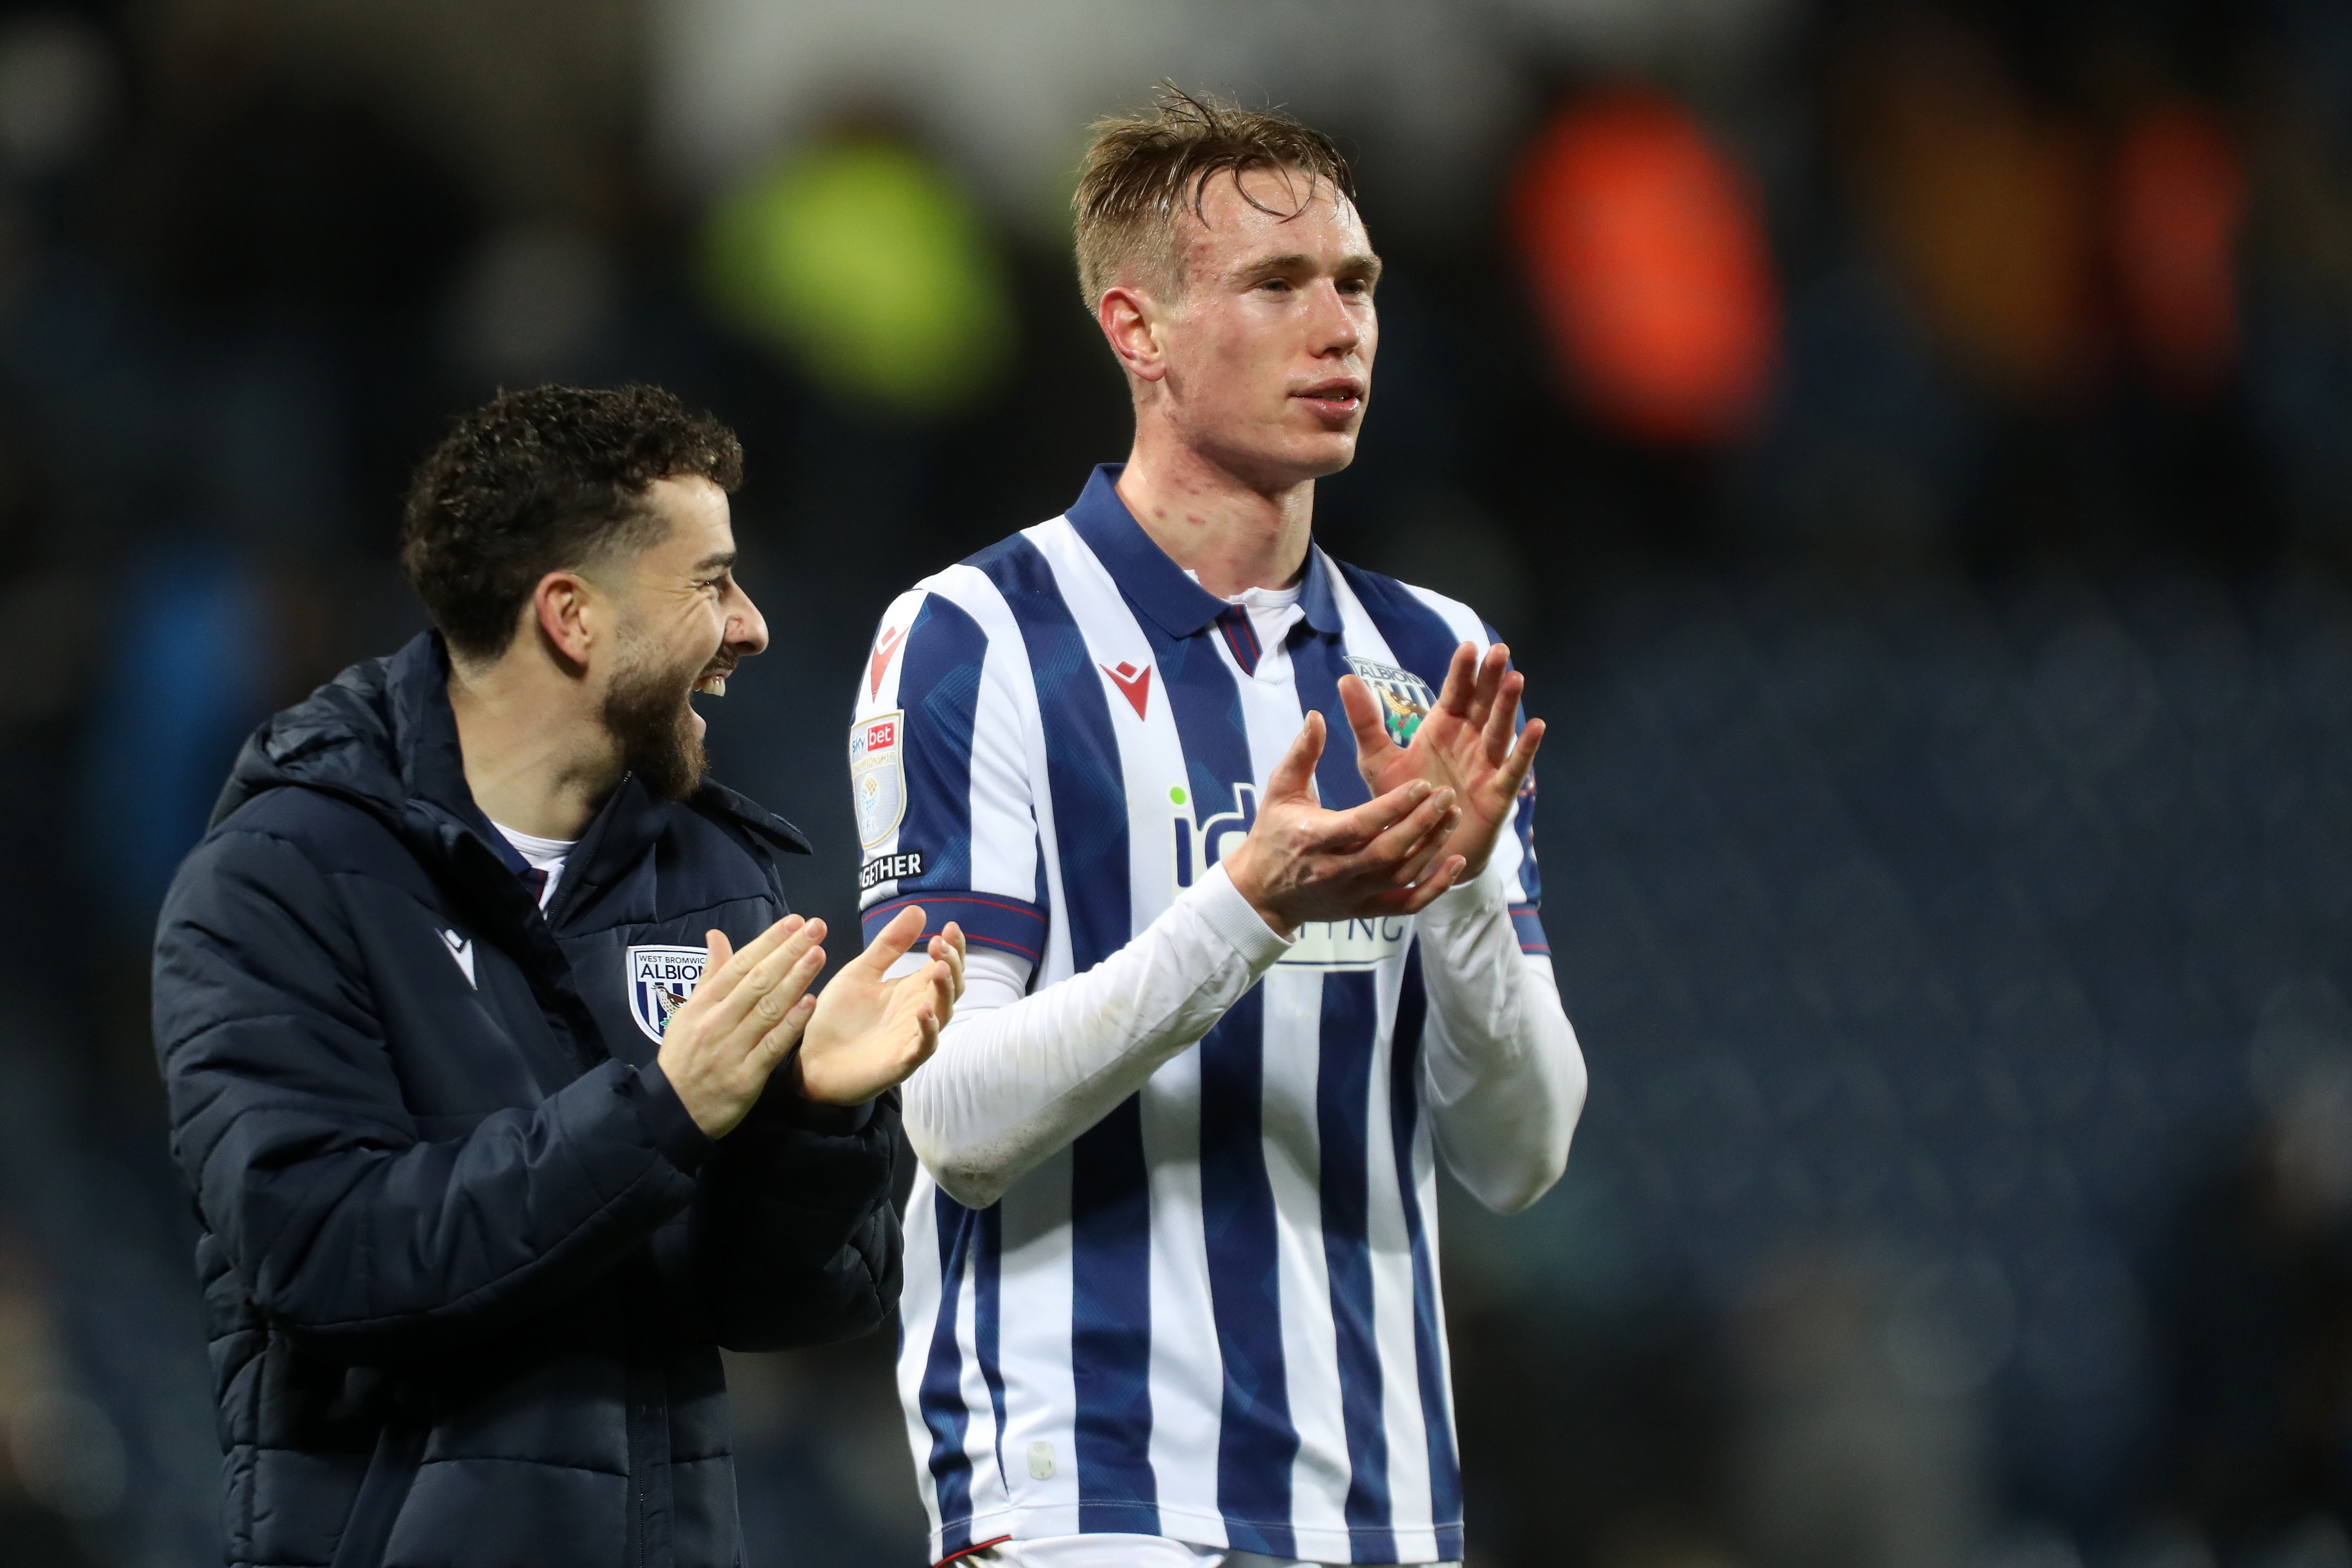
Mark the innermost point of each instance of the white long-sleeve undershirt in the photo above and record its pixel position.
(1017, 1075)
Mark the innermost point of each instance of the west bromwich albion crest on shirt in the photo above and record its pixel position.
(1214, 1316)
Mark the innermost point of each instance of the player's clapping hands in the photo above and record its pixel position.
(1302, 863)
(751, 1007)
(1465, 745)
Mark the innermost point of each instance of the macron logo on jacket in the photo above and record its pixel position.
(461, 948)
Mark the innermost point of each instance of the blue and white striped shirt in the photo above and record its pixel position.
(1214, 1315)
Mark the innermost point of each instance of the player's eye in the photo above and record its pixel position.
(1280, 285)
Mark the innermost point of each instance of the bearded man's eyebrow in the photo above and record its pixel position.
(723, 561)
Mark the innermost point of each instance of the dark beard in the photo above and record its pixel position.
(648, 711)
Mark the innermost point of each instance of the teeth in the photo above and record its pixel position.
(712, 686)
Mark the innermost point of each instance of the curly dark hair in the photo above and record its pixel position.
(1143, 168)
(539, 481)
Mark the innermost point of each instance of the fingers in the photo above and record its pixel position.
(1495, 673)
(773, 983)
(1502, 715)
(947, 947)
(725, 967)
(1423, 853)
(1363, 710)
(1362, 824)
(1404, 854)
(1522, 760)
(891, 942)
(945, 988)
(780, 984)
(1416, 825)
(787, 1033)
(1425, 893)
(1461, 682)
(919, 1006)
(1294, 776)
(928, 1042)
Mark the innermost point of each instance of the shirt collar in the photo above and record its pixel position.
(1155, 584)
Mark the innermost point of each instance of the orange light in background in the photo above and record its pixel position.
(1648, 259)
(2180, 203)
(1990, 214)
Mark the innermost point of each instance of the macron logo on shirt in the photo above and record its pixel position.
(888, 645)
(1133, 684)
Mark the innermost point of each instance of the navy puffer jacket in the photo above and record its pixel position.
(469, 1262)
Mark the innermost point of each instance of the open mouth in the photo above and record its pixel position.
(714, 682)
(1336, 398)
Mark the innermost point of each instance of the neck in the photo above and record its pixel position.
(1234, 534)
(537, 757)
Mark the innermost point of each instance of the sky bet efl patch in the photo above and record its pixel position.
(660, 979)
(877, 774)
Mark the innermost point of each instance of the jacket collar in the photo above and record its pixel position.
(382, 734)
(432, 774)
(424, 731)
(1154, 583)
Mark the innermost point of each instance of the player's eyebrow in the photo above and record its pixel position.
(1362, 265)
(721, 561)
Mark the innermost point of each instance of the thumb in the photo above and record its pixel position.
(891, 942)
(1296, 772)
(1364, 719)
(722, 950)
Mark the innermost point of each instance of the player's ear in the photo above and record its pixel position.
(1129, 323)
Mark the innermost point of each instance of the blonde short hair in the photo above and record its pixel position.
(1142, 168)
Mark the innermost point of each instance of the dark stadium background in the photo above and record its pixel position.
(1909, 446)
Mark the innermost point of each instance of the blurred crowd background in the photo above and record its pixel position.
(1909, 446)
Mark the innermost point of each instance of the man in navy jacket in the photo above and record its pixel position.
(493, 1062)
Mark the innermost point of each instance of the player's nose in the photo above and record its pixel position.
(1337, 328)
(746, 628)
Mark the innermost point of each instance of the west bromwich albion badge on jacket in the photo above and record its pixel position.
(660, 979)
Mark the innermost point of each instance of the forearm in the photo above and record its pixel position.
(1505, 1078)
(377, 1254)
(796, 1240)
(347, 1225)
(1011, 1086)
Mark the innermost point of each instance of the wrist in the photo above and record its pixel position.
(676, 1132)
(1256, 937)
(1241, 873)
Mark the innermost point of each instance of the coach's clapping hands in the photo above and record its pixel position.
(862, 1035)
